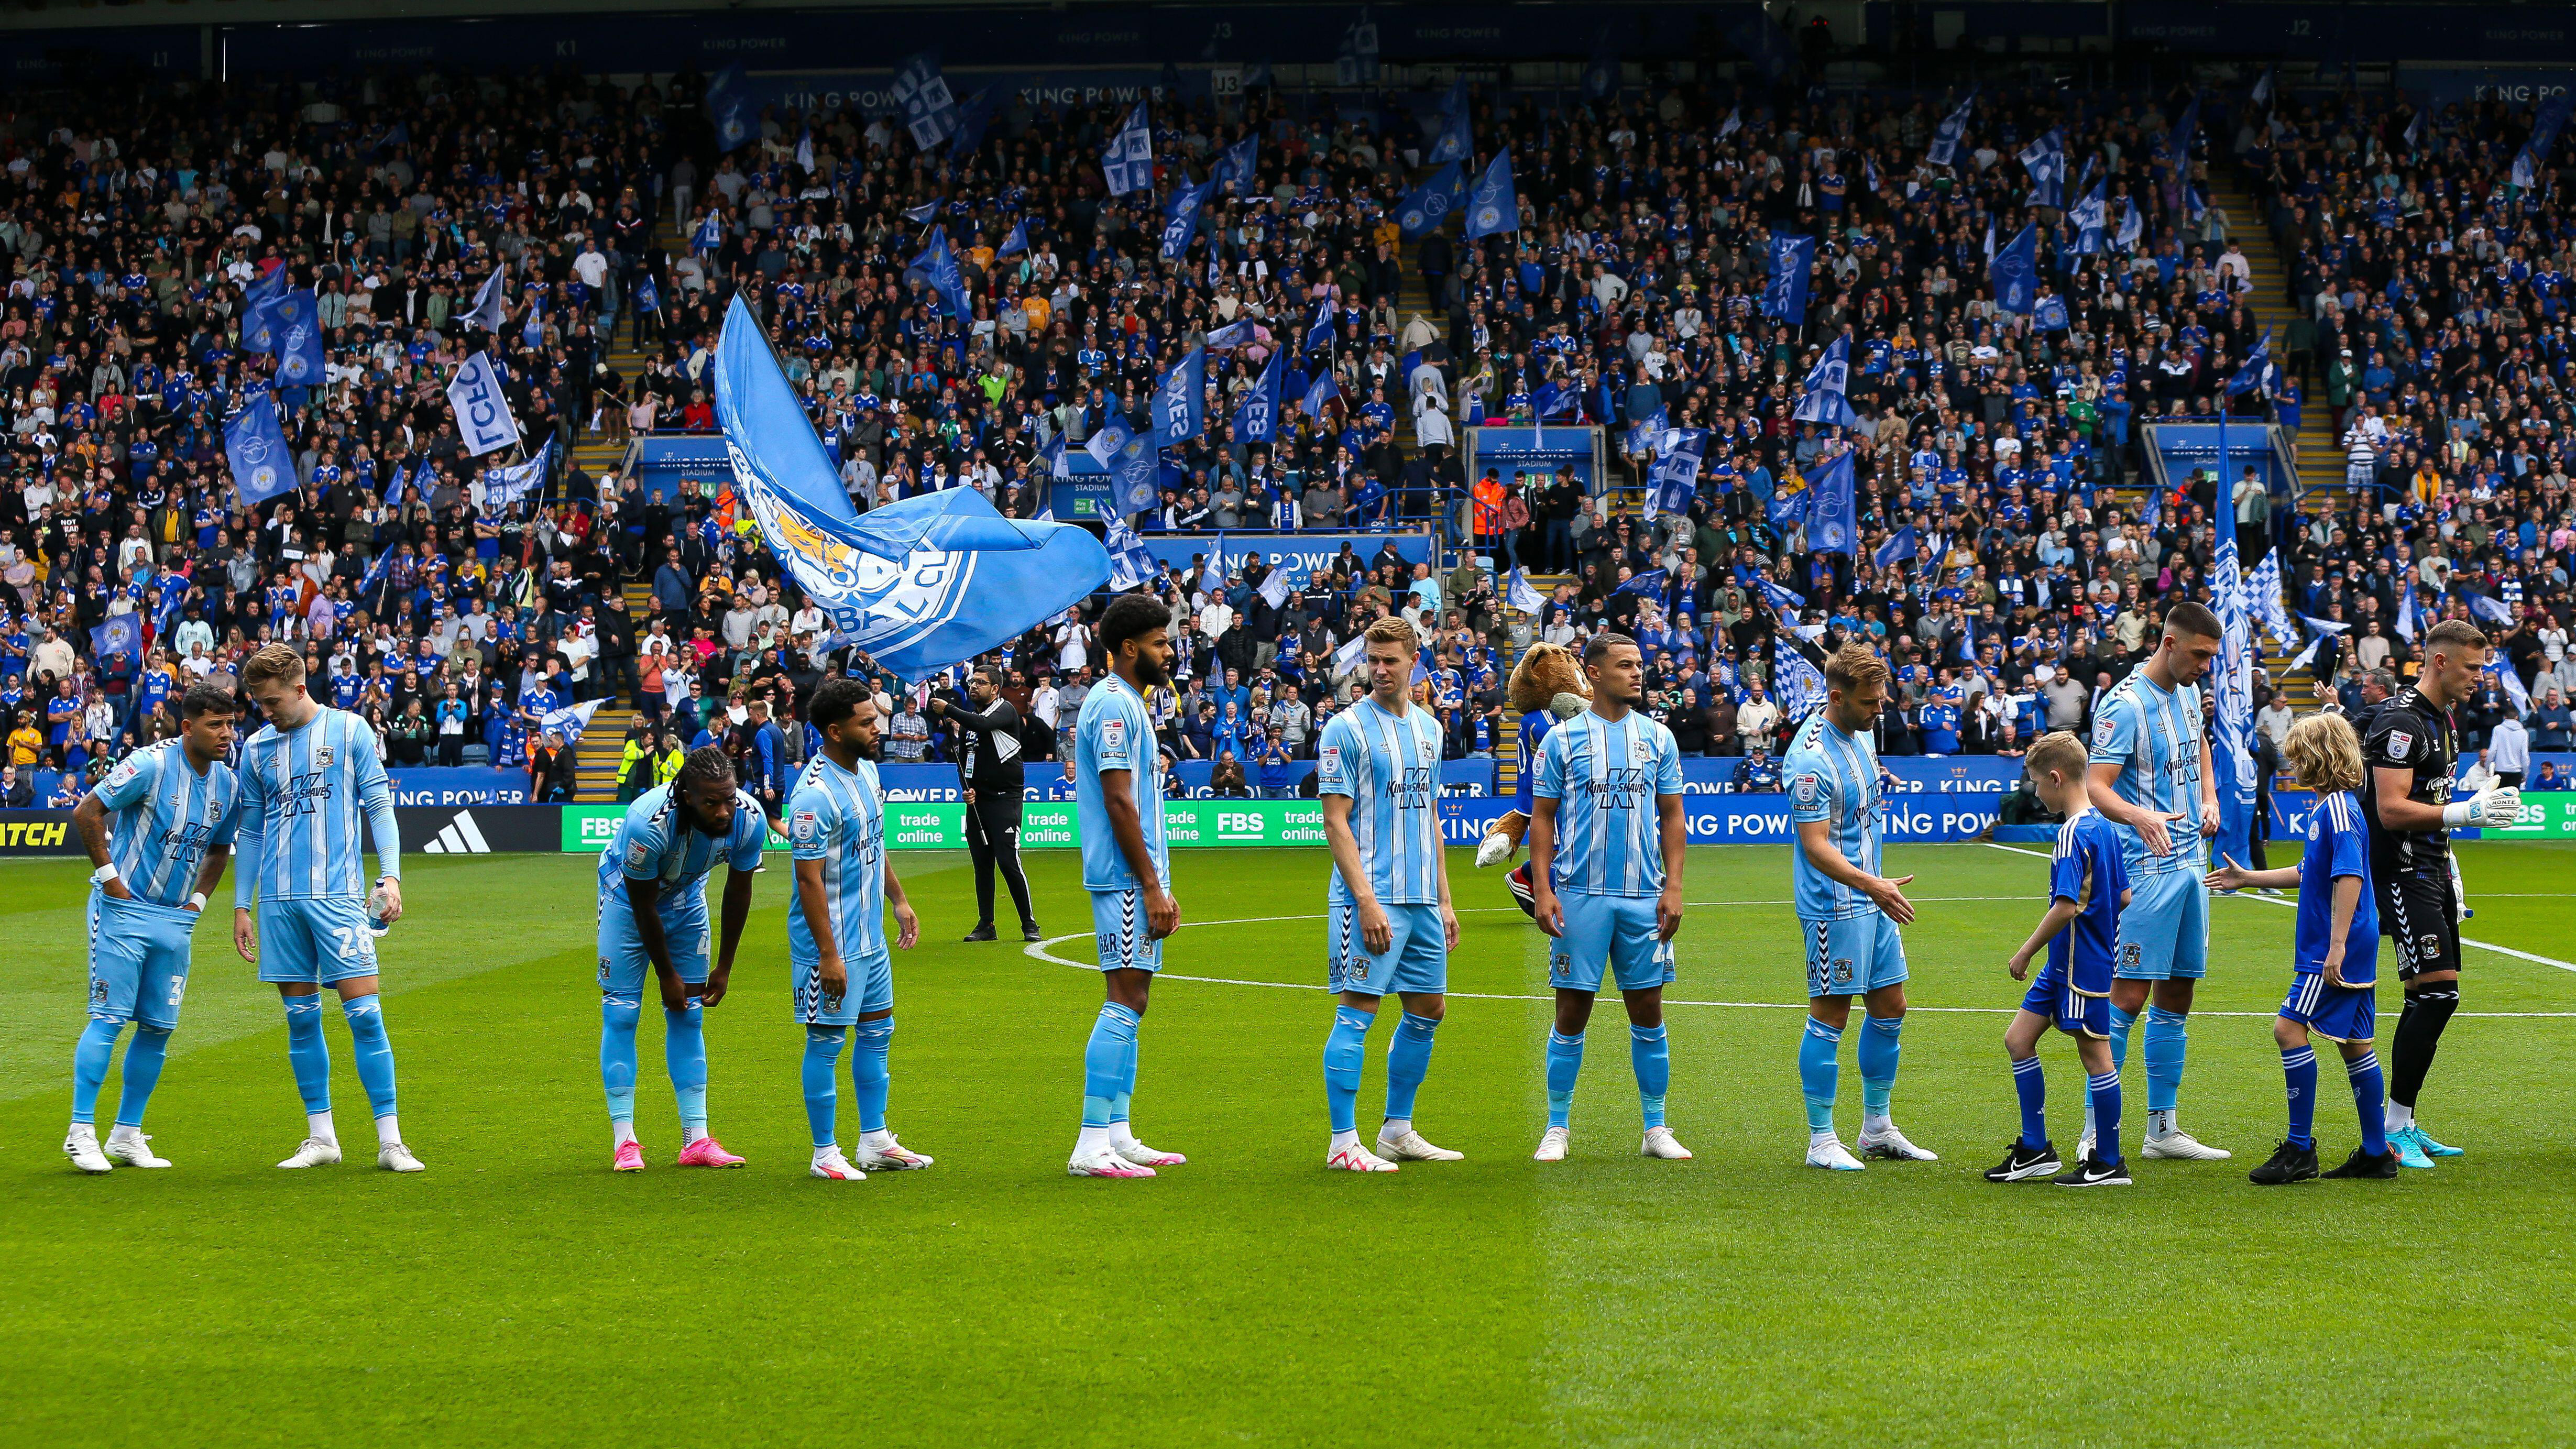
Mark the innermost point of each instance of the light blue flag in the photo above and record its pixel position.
(805, 150)
(1017, 242)
(1953, 129)
(509, 486)
(568, 721)
(2046, 160)
(298, 323)
(1180, 400)
(2014, 273)
(2090, 218)
(1781, 600)
(937, 268)
(1429, 204)
(918, 584)
(1238, 165)
(1320, 335)
(1181, 218)
(1135, 470)
(1646, 435)
(1321, 391)
(1903, 544)
(1494, 207)
(2406, 612)
(710, 233)
(1127, 162)
(259, 332)
(489, 309)
(1257, 420)
(1673, 485)
(2133, 227)
(921, 94)
(255, 448)
(122, 634)
(1830, 517)
(1131, 563)
(482, 411)
(729, 107)
(1784, 296)
(2488, 608)
(1824, 399)
(973, 119)
(921, 215)
(1796, 683)
(1521, 596)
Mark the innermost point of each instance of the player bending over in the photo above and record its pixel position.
(2335, 954)
(2087, 886)
(1606, 875)
(844, 881)
(1848, 914)
(1118, 805)
(653, 912)
(1391, 927)
(159, 828)
(306, 778)
(2412, 749)
(2151, 776)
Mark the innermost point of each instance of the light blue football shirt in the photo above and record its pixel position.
(1389, 768)
(1116, 732)
(2153, 735)
(164, 816)
(1604, 776)
(656, 842)
(1832, 777)
(304, 793)
(837, 816)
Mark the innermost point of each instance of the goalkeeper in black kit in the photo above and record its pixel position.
(988, 768)
(2411, 749)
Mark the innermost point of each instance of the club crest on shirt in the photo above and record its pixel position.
(322, 757)
(1640, 750)
(1804, 788)
(2400, 743)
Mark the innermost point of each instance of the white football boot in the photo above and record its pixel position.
(81, 1145)
(129, 1146)
(314, 1153)
(1660, 1143)
(1551, 1144)
(1411, 1146)
(1829, 1152)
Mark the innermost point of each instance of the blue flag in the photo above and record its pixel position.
(1673, 485)
(1238, 165)
(1131, 563)
(1127, 162)
(1903, 544)
(1647, 585)
(648, 297)
(508, 487)
(1784, 296)
(1646, 434)
(1429, 204)
(1135, 472)
(1181, 218)
(2050, 314)
(1778, 597)
(918, 584)
(1796, 682)
(1601, 70)
(1257, 420)
(710, 233)
(2014, 273)
(1953, 129)
(1787, 508)
(921, 94)
(1180, 400)
(2091, 218)
(1320, 335)
(491, 305)
(122, 634)
(2258, 363)
(1830, 517)
(1824, 400)
(255, 448)
(2178, 141)
(1017, 242)
(937, 267)
(298, 327)
(1318, 393)
(2046, 160)
(973, 119)
(2231, 686)
(1494, 208)
(730, 108)
(1457, 138)
(259, 333)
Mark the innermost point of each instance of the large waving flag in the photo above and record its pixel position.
(1673, 485)
(1430, 203)
(569, 721)
(2014, 273)
(1257, 420)
(2090, 218)
(507, 487)
(1494, 207)
(937, 268)
(1135, 468)
(1180, 400)
(259, 330)
(1131, 563)
(1953, 129)
(1457, 138)
(1321, 391)
(1824, 400)
(122, 634)
(1017, 242)
(1784, 296)
(255, 447)
(730, 109)
(1127, 162)
(921, 93)
(1238, 165)
(1797, 684)
(1181, 218)
(298, 323)
(483, 417)
(2232, 687)
(918, 584)
(488, 309)
(1830, 516)
(2046, 160)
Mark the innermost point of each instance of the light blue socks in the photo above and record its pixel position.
(875, 1039)
(1109, 1066)
(1408, 1061)
(1344, 1051)
(374, 1054)
(1880, 1046)
(1564, 1065)
(90, 1061)
(1652, 1057)
(684, 1051)
(307, 1053)
(822, 1081)
(617, 1021)
(1818, 1073)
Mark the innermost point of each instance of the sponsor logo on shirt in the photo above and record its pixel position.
(637, 855)
(2400, 743)
(1804, 788)
(807, 827)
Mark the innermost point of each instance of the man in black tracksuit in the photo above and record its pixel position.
(988, 767)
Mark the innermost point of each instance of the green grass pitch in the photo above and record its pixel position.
(518, 1293)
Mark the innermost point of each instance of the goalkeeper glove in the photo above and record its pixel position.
(2501, 805)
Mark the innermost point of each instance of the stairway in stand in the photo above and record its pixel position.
(603, 744)
(2318, 454)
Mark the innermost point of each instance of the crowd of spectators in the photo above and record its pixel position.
(2429, 293)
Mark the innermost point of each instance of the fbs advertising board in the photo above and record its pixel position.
(1045, 825)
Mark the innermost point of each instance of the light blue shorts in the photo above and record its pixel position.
(871, 989)
(1850, 955)
(138, 960)
(316, 941)
(1612, 935)
(1416, 960)
(624, 964)
(1118, 923)
(2164, 930)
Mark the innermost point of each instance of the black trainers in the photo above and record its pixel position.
(2288, 1164)
(982, 933)
(2025, 1162)
(2362, 1164)
(1029, 932)
(2094, 1172)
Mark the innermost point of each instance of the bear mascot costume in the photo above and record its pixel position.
(1547, 686)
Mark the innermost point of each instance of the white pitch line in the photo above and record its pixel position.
(2283, 901)
(1038, 949)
